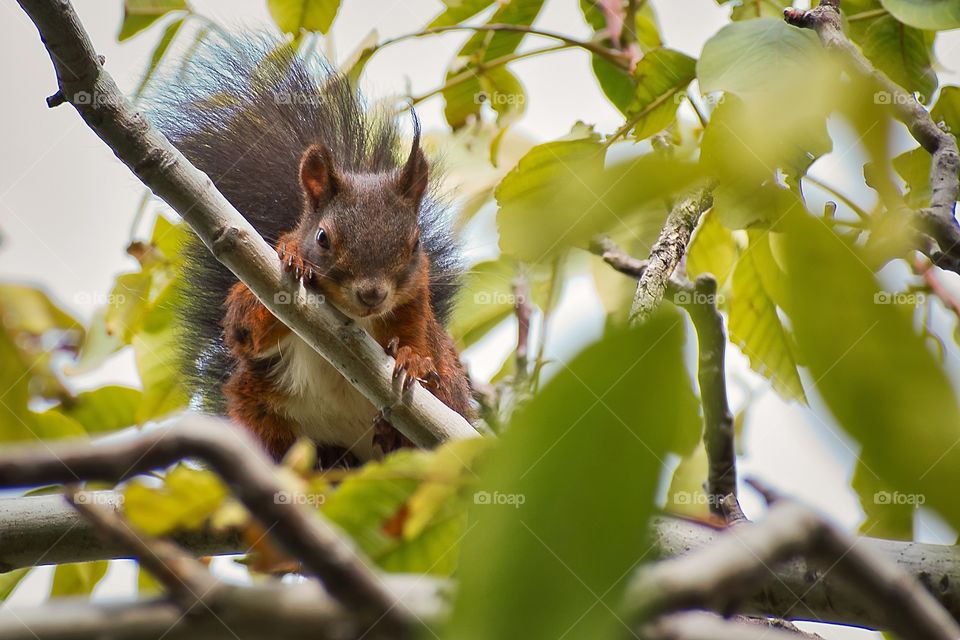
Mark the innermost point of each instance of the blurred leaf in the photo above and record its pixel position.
(294, 16)
(169, 239)
(751, 9)
(560, 195)
(686, 496)
(156, 352)
(903, 53)
(77, 579)
(487, 300)
(354, 64)
(754, 323)
(147, 585)
(105, 409)
(925, 14)
(52, 425)
(187, 498)
(608, 416)
(752, 57)
(713, 250)
(127, 304)
(947, 109)
(15, 418)
(662, 75)
(140, 14)
(97, 347)
(158, 52)
(31, 310)
(887, 517)
(457, 11)
(10, 580)
(914, 167)
(872, 369)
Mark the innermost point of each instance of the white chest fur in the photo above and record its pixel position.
(322, 403)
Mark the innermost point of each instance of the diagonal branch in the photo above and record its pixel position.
(236, 457)
(421, 417)
(938, 219)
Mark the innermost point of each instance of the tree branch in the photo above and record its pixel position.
(301, 531)
(718, 576)
(706, 626)
(421, 417)
(937, 219)
(667, 252)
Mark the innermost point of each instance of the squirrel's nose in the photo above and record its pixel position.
(372, 294)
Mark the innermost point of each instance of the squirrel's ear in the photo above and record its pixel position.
(412, 183)
(318, 175)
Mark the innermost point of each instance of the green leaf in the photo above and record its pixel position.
(52, 424)
(755, 56)
(457, 11)
(662, 75)
(77, 579)
(888, 514)
(294, 16)
(487, 300)
(155, 348)
(754, 323)
(16, 421)
(559, 195)
(872, 370)
(31, 310)
(608, 416)
(140, 14)
(937, 15)
(947, 109)
(713, 249)
(10, 580)
(751, 9)
(97, 347)
(158, 52)
(186, 500)
(914, 167)
(128, 302)
(686, 496)
(105, 409)
(903, 53)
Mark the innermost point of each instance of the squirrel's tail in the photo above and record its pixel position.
(243, 111)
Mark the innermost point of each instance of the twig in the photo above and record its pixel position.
(523, 309)
(700, 300)
(720, 575)
(937, 219)
(301, 531)
(420, 416)
(667, 252)
(187, 581)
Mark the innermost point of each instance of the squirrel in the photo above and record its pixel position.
(293, 146)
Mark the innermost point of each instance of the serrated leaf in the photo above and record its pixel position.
(294, 16)
(532, 492)
(755, 325)
(925, 14)
(77, 579)
(661, 77)
(713, 249)
(872, 369)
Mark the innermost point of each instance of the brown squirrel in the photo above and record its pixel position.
(296, 151)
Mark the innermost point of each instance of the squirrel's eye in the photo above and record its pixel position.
(322, 238)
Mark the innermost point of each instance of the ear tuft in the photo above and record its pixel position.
(318, 176)
(414, 177)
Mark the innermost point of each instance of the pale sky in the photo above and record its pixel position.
(67, 205)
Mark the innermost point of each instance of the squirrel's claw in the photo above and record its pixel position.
(411, 367)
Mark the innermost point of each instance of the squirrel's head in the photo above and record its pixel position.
(360, 231)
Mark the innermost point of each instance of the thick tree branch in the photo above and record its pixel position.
(667, 252)
(241, 463)
(420, 416)
(718, 576)
(937, 219)
(706, 626)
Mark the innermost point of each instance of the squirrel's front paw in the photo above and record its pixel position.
(288, 250)
(410, 366)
